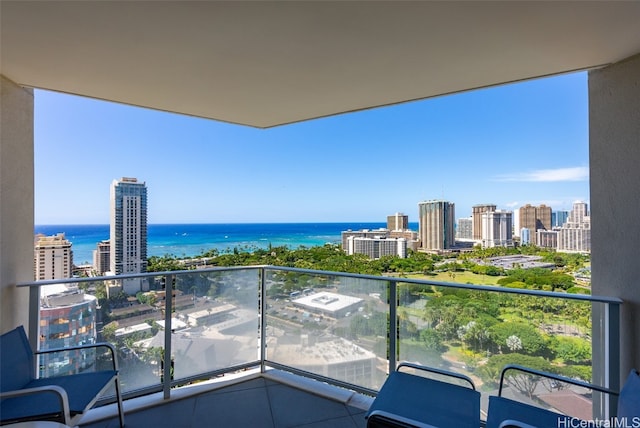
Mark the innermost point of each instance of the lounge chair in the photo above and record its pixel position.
(25, 397)
(409, 400)
(504, 412)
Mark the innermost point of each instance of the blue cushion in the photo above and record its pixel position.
(629, 399)
(429, 401)
(81, 390)
(17, 360)
(502, 409)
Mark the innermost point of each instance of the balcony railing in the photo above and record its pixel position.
(345, 329)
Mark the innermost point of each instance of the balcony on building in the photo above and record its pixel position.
(267, 64)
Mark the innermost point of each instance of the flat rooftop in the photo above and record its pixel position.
(327, 302)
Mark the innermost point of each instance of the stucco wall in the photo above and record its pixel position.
(16, 201)
(614, 150)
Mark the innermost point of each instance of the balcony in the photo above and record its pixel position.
(313, 347)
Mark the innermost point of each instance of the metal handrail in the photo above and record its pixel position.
(612, 306)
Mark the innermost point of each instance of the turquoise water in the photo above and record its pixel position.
(184, 240)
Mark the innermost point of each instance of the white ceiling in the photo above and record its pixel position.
(269, 63)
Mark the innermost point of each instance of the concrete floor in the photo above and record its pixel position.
(259, 402)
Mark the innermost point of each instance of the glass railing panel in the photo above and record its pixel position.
(572, 400)
(215, 321)
(330, 325)
(104, 310)
(478, 332)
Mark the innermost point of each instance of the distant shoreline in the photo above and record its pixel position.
(193, 239)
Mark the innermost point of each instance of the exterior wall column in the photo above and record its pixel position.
(614, 151)
(16, 202)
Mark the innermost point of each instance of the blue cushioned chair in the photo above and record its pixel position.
(504, 412)
(24, 397)
(408, 400)
(629, 399)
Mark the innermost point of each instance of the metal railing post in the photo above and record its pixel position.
(168, 310)
(393, 325)
(263, 320)
(34, 317)
(612, 356)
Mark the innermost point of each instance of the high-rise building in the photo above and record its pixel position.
(575, 234)
(436, 225)
(128, 232)
(558, 218)
(464, 231)
(102, 257)
(525, 236)
(67, 318)
(476, 214)
(398, 221)
(534, 218)
(53, 257)
(516, 222)
(543, 215)
(497, 229)
(67, 314)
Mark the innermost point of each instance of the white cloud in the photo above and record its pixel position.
(579, 173)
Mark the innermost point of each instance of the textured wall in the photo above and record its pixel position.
(614, 150)
(16, 201)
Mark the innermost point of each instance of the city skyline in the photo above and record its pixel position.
(511, 145)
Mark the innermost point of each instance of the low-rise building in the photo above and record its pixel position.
(377, 247)
(328, 304)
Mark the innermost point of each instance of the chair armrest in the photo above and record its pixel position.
(438, 371)
(400, 421)
(552, 376)
(111, 348)
(49, 389)
(512, 423)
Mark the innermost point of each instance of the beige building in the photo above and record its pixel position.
(535, 218)
(102, 257)
(476, 215)
(398, 221)
(437, 225)
(53, 258)
(547, 238)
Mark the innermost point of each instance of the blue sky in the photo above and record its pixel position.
(508, 145)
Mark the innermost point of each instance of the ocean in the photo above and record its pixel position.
(185, 240)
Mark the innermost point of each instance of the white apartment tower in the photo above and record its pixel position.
(437, 225)
(128, 231)
(575, 235)
(497, 229)
(53, 258)
(464, 232)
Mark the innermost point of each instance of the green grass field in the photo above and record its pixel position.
(460, 277)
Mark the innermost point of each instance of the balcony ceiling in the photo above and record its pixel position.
(270, 63)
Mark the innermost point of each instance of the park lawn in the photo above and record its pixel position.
(459, 278)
